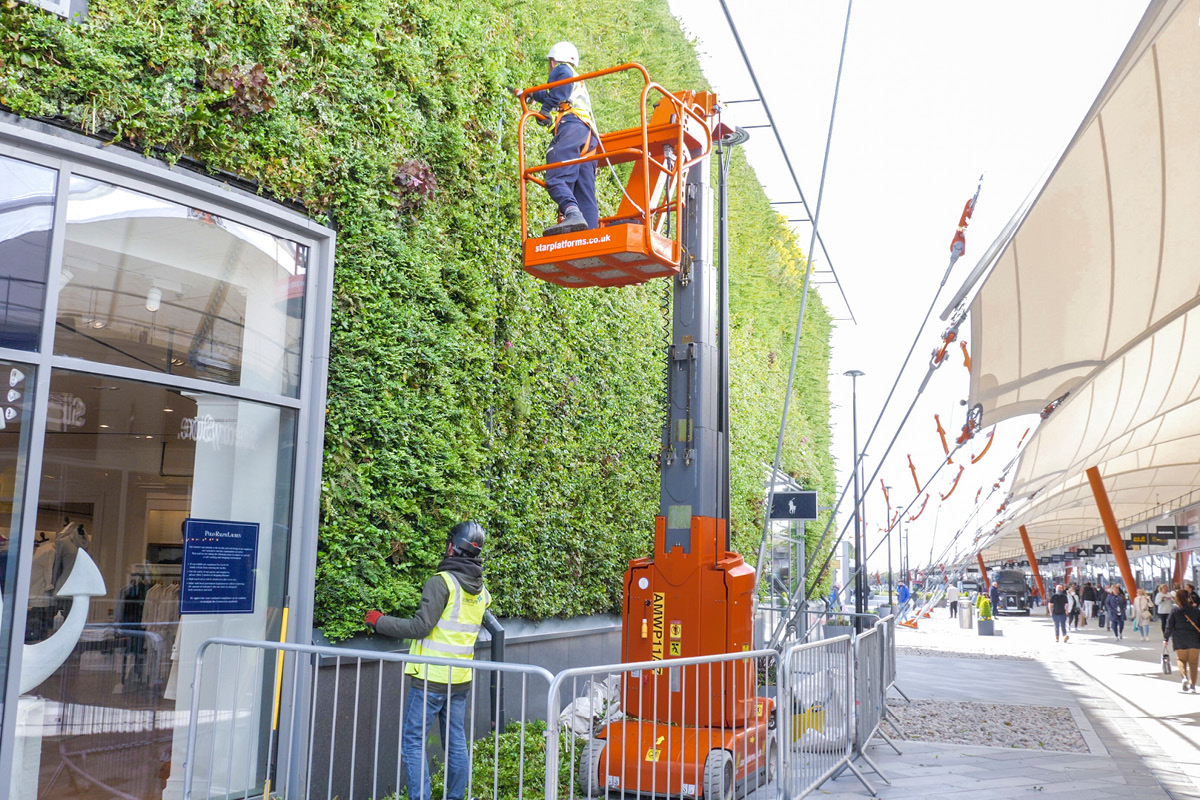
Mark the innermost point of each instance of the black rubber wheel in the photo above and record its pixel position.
(772, 758)
(591, 758)
(718, 775)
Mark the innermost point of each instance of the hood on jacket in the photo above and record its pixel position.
(469, 572)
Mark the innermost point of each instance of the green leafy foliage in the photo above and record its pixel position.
(459, 386)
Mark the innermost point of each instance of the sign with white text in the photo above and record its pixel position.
(219, 562)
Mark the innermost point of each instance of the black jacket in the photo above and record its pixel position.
(1180, 631)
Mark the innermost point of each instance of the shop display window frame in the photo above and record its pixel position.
(72, 154)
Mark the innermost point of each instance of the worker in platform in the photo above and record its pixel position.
(569, 109)
(445, 625)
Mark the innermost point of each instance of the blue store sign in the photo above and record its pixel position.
(219, 560)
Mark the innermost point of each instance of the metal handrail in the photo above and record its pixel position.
(529, 173)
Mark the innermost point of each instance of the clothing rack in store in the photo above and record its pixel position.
(156, 571)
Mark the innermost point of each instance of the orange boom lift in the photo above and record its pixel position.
(694, 730)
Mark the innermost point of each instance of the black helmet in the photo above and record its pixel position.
(466, 538)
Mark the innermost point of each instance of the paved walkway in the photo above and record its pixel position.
(1142, 732)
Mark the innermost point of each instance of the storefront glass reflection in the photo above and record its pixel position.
(125, 464)
(16, 409)
(26, 219)
(151, 284)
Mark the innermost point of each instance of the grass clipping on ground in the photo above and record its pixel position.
(988, 725)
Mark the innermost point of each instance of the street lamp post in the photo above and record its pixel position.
(859, 583)
(887, 494)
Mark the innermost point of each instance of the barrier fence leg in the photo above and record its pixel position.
(889, 741)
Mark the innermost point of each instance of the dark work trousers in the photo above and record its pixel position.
(573, 184)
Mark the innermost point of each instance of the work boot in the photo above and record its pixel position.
(572, 222)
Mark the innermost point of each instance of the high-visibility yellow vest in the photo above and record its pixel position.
(579, 104)
(454, 635)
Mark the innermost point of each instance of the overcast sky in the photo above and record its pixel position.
(933, 94)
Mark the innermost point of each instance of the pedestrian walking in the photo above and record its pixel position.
(1143, 614)
(1163, 606)
(952, 594)
(446, 625)
(1073, 607)
(1089, 602)
(1115, 606)
(903, 595)
(1058, 612)
(1183, 633)
(1191, 587)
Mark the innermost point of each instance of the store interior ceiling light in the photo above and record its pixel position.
(153, 298)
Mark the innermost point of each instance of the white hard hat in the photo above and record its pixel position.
(566, 52)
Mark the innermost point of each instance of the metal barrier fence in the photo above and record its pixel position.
(675, 727)
(300, 721)
(815, 713)
(368, 738)
(100, 745)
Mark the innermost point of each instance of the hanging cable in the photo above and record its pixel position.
(957, 249)
(762, 98)
(787, 397)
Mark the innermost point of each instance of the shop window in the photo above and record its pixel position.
(128, 471)
(26, 219)
(16, 409)
(151, 284)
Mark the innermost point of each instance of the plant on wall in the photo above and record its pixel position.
(459, 386)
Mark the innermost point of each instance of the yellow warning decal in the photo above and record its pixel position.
(655, 753)
(676, 629)
(676, 648)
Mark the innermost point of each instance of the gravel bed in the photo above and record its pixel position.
(989, 725)
(930, 651)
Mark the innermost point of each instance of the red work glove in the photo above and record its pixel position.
(372, 617)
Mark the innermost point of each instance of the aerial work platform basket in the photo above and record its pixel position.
(641, 241)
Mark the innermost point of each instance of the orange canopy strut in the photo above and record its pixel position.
(1110, 528)
(1033, 564)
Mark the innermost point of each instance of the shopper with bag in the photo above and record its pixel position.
(1183, 633)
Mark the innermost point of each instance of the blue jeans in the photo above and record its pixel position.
(420, 708)
(573, 183)
(1060, 621)
(1118, 625)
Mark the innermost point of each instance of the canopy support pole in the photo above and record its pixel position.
(1037, 573)
(1110, 527)
(983, 571)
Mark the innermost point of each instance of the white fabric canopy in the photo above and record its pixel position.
(1094, 296)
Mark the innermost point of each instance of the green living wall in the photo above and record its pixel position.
(459, 387)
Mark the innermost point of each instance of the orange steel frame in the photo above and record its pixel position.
(625, 149)
(1111, 528)
(1033, 563)
(987, 584)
